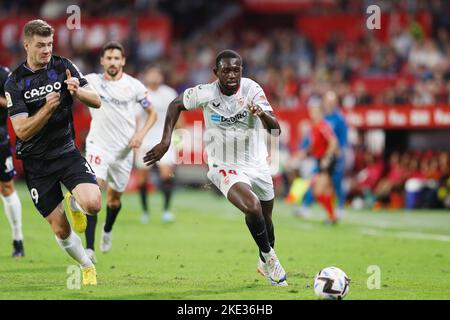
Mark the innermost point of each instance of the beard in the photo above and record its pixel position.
(112, 72)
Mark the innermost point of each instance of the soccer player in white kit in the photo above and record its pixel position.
(235, 110)
(160, 95)
(113, 135)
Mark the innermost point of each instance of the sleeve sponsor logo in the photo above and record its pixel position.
(8, 100)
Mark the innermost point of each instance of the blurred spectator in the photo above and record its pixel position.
(280, 58)
(425, 53)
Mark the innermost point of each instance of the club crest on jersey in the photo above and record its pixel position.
(145, 103)
(42, 91)
(52, 75)
(233, 119)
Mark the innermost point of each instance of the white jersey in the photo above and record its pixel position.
(234, 136)
(114, 123)
(160, 99)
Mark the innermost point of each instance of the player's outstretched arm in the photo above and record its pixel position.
(86, 95)
(27, 127)
(173, 113)
(268, 119)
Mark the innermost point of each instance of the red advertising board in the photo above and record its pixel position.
(400, 118)
(285, 6)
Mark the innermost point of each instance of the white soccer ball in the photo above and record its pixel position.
(331, 284)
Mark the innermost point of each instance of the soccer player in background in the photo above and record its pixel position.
(324, 148)
(113, 136)
(8, 193)
(337, 121)
(39, 96)
(235, 111)
(160, 95)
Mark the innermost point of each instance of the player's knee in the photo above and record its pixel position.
(167, 184)
(6, 189)
(252, 206)
(113, 203)
(93, 205)
(61, 233)
(61, 230)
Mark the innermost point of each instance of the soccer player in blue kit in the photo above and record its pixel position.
(8, 193)
(40, 94)
(337, 121)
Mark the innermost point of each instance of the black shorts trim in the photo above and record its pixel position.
(330, 168)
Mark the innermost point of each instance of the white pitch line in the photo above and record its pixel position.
(408, 235)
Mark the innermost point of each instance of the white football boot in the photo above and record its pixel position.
(261, 268)
(145, 218)
(167, 217)
(272, 269)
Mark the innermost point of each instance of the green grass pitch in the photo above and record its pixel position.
(208, 253)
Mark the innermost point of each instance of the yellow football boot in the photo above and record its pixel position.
(89, 276)
(79, 220)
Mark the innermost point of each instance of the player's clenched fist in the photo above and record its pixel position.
(156, 153)
(72, 83)
(52, 99)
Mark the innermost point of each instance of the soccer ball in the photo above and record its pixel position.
(331, 284)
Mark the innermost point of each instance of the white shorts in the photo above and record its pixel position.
(260, 181)
(168, 159)
(114, 167)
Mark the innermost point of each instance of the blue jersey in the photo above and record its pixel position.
(305, 143)
(339, 125)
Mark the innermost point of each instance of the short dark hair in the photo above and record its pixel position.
(37, 27)
(227, 54)
(113, 45)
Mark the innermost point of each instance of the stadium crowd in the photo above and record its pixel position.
(285, 61)
(408, 179)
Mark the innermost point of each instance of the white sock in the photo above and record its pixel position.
(13, 211)
(269, 254)
(73, 246)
